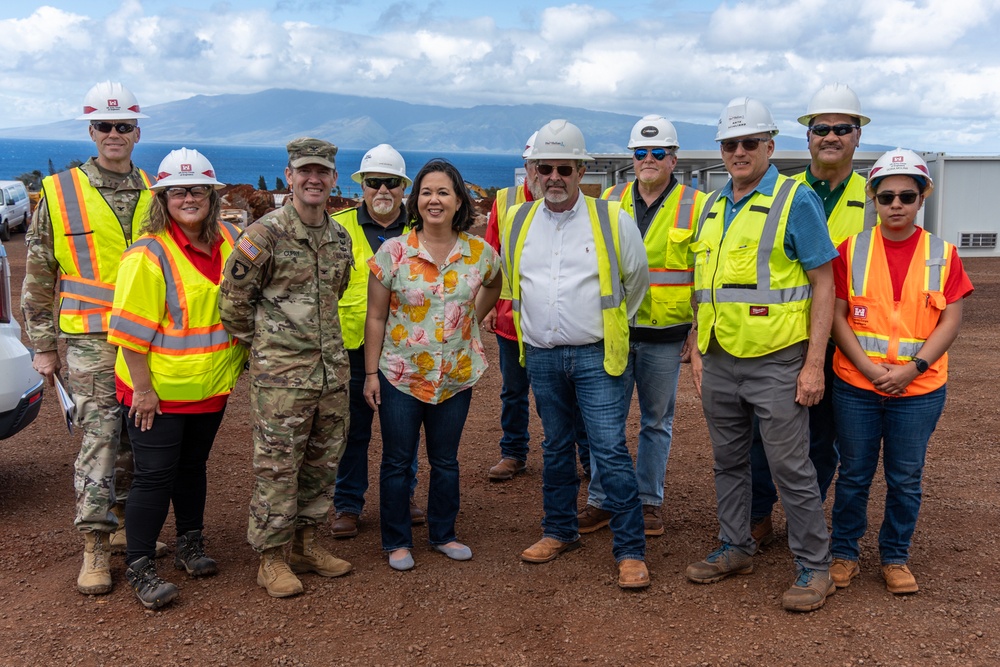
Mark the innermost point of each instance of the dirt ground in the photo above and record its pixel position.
(495, 609)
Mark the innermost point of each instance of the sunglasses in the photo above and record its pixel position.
(749, 145)
(197, 192)
(886, 198)
(563, 169)
(377, 183)
(659, 154)
(840, 130)
(106, 127)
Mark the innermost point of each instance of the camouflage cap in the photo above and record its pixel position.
(306, 150)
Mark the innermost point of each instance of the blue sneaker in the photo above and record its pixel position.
(719, 564)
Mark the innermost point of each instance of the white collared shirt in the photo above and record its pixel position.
(560, 286)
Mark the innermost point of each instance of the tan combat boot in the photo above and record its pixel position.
(275, 576)
(95, 575)
(118, 539)
(308, 556)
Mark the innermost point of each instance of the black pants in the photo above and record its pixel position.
(170, 465)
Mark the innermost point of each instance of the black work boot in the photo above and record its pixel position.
(190, 555)
(152, 591)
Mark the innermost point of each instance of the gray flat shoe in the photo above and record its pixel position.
(455, 553)
(402, 564)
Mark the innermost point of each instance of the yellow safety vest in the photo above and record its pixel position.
(853, 213)
(604, 223)
(506, 198)
(748, 291)
(175, 322)
(353, 306)
(671, 266)
(88, 242)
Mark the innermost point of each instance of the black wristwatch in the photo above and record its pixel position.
(922, 365)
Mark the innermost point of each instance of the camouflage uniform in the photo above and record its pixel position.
(103, 468)
(279, 296)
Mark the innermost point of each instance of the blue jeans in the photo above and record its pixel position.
(822, 449)
(900, 427)
(653, 368)
(352, 472)
(567, 381)
(401, 416)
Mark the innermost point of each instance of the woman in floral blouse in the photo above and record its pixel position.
(427, 292)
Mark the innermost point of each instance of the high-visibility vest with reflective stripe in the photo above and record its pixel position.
(853, 213)
(353, 306)
(890, 332)
(604, 223)
(671, 269)
(754, 298)
(190, 355)
(505, 199)
(88, 242)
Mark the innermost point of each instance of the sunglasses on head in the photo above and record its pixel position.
(389, 183)
(886, 198)
(659, 154)
(106, 127)
(197, 192)
(749, 145)
(562, 170)
(840, 130)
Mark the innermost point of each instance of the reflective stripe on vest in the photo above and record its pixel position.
(506, 198)
(615, 192)
(846, 220)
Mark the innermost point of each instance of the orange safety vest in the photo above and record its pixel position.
(889, 331)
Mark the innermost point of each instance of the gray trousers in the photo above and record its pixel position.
(733, 390)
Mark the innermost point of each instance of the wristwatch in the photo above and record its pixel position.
(922, 365)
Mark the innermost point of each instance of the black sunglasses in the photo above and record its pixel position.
(106, 127)
(562, 170)
(659, 154)
(886, 198)
(840, 130)
(749, 145)
(389, 183)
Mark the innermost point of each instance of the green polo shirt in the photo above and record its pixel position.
(822, 188)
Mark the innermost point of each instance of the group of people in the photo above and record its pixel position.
(378, 309)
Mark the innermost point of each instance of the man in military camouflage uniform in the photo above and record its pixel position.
(279, 296)
(103, 201)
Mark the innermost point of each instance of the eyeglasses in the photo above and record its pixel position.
(197, 192)
(840, 130)
(659, 154)
(563, 169)
(906, 198)
(749, 145)
(389, 183)
(106, 127)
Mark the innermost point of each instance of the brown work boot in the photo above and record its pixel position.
(119, 541)
(762, 531)
(344, 525)
(810, 590)
(95, 574)
(592, 519)
(308, 556)
(547, 549)
(719, 564)
(842, 571)
(651, 519)
(898, 579)
(275, 576)
(632, 574)
(417, 515)
(506, 469)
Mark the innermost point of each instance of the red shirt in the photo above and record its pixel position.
(505, 317)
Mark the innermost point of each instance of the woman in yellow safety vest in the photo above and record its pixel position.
(176, 366)
(898, 310)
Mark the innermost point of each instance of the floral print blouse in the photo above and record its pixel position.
(432, 348)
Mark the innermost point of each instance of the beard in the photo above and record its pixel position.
(535, 188)
(383, 206)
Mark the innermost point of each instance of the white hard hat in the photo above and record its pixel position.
(654, 131)
(744, 116)
(900, 162)
(184, 167)
(559, 140)
(383, 159)
(835, 98)
(529, 145)
(110, 101)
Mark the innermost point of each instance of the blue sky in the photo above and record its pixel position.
(925, 70)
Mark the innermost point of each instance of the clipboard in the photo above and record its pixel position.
(66, 403)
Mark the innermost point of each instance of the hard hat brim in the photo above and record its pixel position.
(862, 119)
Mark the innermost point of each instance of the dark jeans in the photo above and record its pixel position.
(401, 416)
(170, 468)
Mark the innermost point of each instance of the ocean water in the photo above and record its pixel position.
(246, 164)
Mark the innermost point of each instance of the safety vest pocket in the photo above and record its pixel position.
(929, 312)
(182, 365)
(665, 308)
(741, 266)
(678, 248)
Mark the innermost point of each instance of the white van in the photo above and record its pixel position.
(20, 386)
(14, 208)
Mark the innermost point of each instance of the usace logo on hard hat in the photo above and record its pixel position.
(898, 158)
(186, 169)
(112, 104)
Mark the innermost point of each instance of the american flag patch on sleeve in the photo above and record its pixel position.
(248, 248)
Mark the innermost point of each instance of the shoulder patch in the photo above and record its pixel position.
(250, 249)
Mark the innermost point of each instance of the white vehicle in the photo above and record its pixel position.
(14, 208)
(20, 385)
